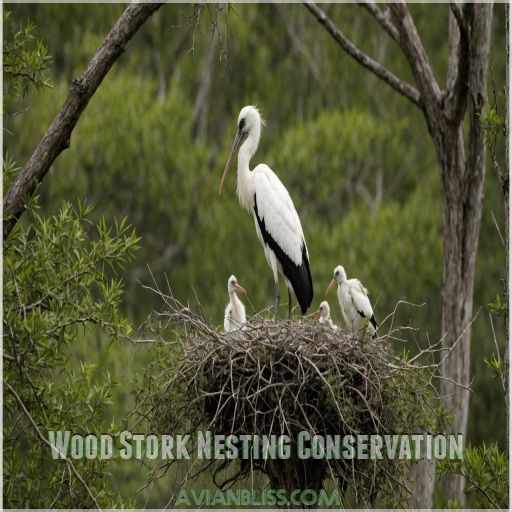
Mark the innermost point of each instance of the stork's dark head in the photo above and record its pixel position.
(249, 125)
(249, 119)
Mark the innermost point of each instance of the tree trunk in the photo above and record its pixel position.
(505, 184)
(290, 474)
(462, 170)
(463, 184)
(423, 479)
(458, 275)
(202, 103)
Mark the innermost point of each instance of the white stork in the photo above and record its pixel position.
(234, 315)
(354, 303)
(323, 314)
(278, 226)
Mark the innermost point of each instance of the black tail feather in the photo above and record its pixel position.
(298, 275)
(373, 321)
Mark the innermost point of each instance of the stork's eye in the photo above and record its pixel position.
(241, 124)
(337, 273)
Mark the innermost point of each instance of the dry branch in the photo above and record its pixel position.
(284, 378)
(382, 17)
(417, 57)
(43, 440)
(58, 136)
(375, 67)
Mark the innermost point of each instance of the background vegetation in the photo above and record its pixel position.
(151, 147)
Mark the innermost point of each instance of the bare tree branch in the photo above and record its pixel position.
(477, 78)
(382, 18)
(297, 43)
(375, 67)
(459, 16)
(57, 138)
(414, 51)
(70, 464)
(458, 68)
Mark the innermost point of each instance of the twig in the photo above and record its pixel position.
(70, 464)
(362, 58)
(282, 377)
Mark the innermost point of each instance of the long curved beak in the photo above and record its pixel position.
(238, 288)
(316, 314)
(332, 284)
(234, 150)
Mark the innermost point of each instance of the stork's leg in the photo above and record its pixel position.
(289, 304)
(278, 300)
(272, 260)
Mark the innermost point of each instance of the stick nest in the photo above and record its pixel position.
(283, 378)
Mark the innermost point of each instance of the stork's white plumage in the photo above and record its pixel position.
(278, 226)
(323, 315)
(354, 302)
(234, 315)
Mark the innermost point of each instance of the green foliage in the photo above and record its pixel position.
(10, 170)
(492, 122)
(495, 365)
(25, 60)
(56, 288)
(355, 148)
(498, 307)
(486, 470)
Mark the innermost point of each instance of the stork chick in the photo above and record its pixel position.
(323, 314)
(354, 302)
(234, 315)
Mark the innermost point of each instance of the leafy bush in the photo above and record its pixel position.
(57, 285)
(486, 469)
(25, 61)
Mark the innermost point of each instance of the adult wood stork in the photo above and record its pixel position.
(354, 303)
(234, 315)
(323, 314)
(278, 226)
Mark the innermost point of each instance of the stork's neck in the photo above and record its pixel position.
(235, 302)
(245, 184)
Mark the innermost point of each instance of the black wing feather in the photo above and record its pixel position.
(298, 275)
(373, 320)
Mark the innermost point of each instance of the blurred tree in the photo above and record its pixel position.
(462, 175)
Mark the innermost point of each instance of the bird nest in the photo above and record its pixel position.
(286, 377)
